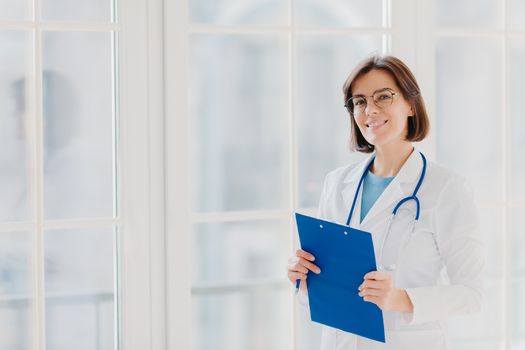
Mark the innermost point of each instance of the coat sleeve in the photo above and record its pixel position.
(461, 248)
(302, 297)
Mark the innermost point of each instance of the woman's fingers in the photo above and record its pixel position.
(302, 259)
(304, 254)
(373, 299)
(309, 265)
(371, 292)
(377, 275)
(302, 265)
(378, 288)
(372, 284)
(294, 276)
(296, 266)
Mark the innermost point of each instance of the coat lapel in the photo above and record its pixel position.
(350, 183)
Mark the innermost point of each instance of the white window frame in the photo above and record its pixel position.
(178, 285)
(140, 296)
(142, 241)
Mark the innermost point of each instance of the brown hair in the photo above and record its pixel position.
(418, 124)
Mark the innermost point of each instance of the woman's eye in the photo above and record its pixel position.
(359, 102)
(384, 97)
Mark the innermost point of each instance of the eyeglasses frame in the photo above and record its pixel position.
(347, 104)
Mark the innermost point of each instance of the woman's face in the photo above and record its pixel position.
(381, 126)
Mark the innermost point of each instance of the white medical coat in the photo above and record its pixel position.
(441, 265)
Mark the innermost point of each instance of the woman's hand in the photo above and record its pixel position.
(378, 288)
(298, 267)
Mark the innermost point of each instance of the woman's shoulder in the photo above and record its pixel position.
(444, 172)
(448, 179)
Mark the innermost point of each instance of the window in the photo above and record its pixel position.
(478, 64)
(59, 210)
(75, 264)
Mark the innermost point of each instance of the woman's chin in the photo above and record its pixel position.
(373, 140)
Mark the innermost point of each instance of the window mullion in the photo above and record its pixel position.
(37, 185)
(177, 211)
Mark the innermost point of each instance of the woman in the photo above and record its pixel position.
(430, 259)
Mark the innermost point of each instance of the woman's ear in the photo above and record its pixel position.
(411, 111)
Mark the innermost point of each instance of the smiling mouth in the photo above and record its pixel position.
(376, 124)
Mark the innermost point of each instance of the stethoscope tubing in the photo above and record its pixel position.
(396, 207)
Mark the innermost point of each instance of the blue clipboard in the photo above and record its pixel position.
(344, 256)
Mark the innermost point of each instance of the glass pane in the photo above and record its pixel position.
(259, 320)
(517, 120)
(78, 125)
(339, 13)
(518, 343)
(517, 242)
(469, 13)
(486, 327)
(323, 124)
(516, 14)
(15, 290)
(77, 10)
(516, 303)
(15, 53)
(238, 96)
(232, 12)
(469, 111)
(80, 279)
(15, 9)
(234, 251)
(517, 311)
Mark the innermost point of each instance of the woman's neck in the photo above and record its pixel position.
(390, 159)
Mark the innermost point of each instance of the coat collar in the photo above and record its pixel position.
(395, 191)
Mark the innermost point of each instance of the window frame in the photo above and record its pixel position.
(142, 242)
(140, 280)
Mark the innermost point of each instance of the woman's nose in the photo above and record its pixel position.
(371, 107)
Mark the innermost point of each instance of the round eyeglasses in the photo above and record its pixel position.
(382, 98)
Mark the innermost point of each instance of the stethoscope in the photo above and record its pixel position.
(413, 197)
